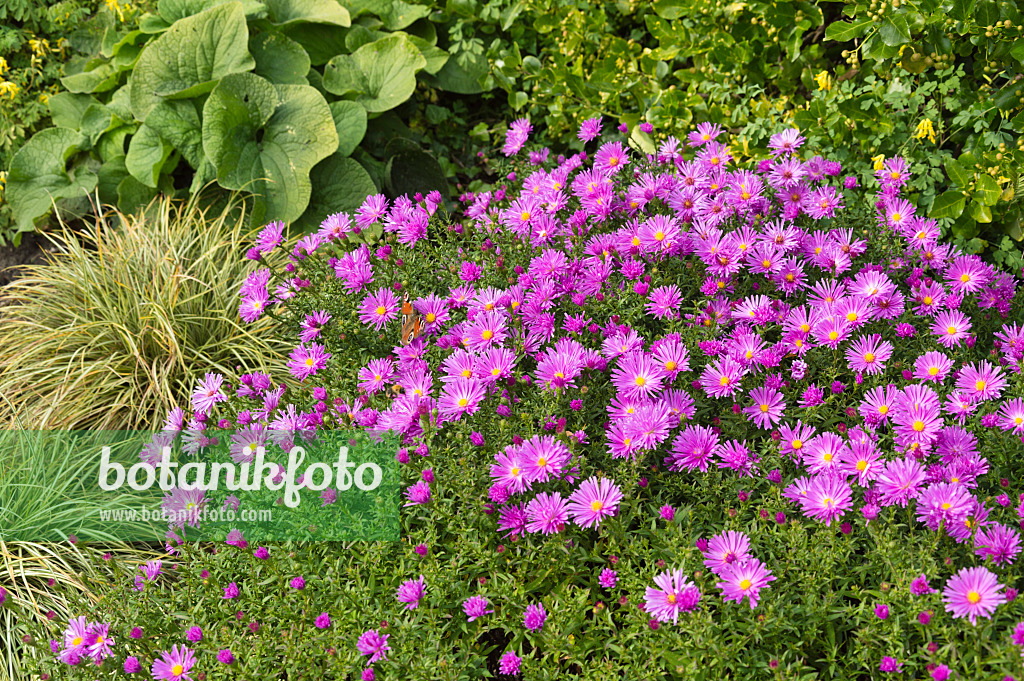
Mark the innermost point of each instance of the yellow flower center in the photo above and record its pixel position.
(973, 596)
(745, 584)
(613, 160)
(672, 598)
(827, 457)
(896, 217)
(832, 335)
(487, 334)
(979, 386)
(927, 300)
(515, 470)
(918, 426)
(933, 371)
(641, 381)
(798, 444)
(431, 316)
(946, 505)
(764, 408)
(951, 330)
(862, 465)
(659, 235)
(381, 310)
(805, 328)
(869, 357)
(524, 216)
(542, 461)
(851, 317)
(309, 361)
(463, 402)
(177, 670)
(724, 380)
(883, 410)
(670, 366)
(596, 505)
(965, 277)
(766, 263)
(77, 641)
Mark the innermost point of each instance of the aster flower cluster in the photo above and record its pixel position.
(761, 325)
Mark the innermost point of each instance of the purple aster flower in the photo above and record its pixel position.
(132, 665)
(972, 592)
(595, 500)
(589, 129)
(411, 592)
(224, 656)
(534, 617)
(675, 594)
(608, 578)
(744, 580)
(323, 621)
(375, 645)
(509, 664)
(194, 635)
(306, 361)
(174, 665)
(475, 606)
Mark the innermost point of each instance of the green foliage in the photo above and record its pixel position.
(929, 81)
(261, 96)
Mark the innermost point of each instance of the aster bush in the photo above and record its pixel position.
(662, 416)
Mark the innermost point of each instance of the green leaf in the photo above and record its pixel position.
(96, 120)
(1018, 122)
(435, 56)
(396, 14)
(173, 10)
(948, 205)
(350, 123)
(844, 31)
(957, 173)
(340, 184)
(267, 139)
(289, 12)
(179, 124)
(1017, 51)
(100, 79)
(463, 79)
(191, 57)
(669, 9)
(962, 10)
(38, 175)
(133, 195)
(382, 74)
(279, 59)
(987, 191)
(153, 24)
(986, 13)
(110, 145)
(109, 177)
(980, 212)
(67, 109)
(414, 171)
(321, 42)
(147, 153)
(895, 31)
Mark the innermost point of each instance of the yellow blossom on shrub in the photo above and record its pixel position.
(8, 88)
(878, 161)
(925, 129)
(824, 81)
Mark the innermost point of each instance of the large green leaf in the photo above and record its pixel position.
(289, 12)
(38, 175)
(987, 191)
(844, 31)
(980, 212)
(412, 171)
(1017, 51)
(949, 205)
(147, 153)
(957, 173)
(279, 59)
(462, 78)
(190, 57)
(962, 10)
(384, 70)
(109, 177)
(101, 78)
(340, 184)
(266, 139)
(67, 109)
(394, 14)
(350, 123)
(178, 122)
(895, 31)
(173, 10)
(320, 41)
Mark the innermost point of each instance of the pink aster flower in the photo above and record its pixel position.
(375, 645)
(981, 381)
(589, 129)
(411, 592)
(767, 409)
(547, 513)
(722, 378)
(596, 499)
(827, 498)
(459, 397)
(951, 326)
(379, 308)
(208, 393)
(418, 493)
(675, 594)
(509, 664)
(534, 617)
(972, 592)
(174, 665)
(637, 375)
(475, 607)
(786, 142)
(725, 549)
(932, 366)
(305, 361)
(745, 580)
(868, 354)
(1011, 416)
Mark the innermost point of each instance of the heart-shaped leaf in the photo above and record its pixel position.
(191, 56)
(384, 71)
(340, 184)
(266, 139)
(350, 123)
(290, 12)
(38, 175)
(279, 59)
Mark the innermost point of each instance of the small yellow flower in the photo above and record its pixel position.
(115, 7)
(44, 98)
(3, 66)
(8, 88)
(879, 161)
(925, 129)
(39, 47)
(824, 81)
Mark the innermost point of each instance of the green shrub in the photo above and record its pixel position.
(273, 97)
(103, 335)
(876, 85)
